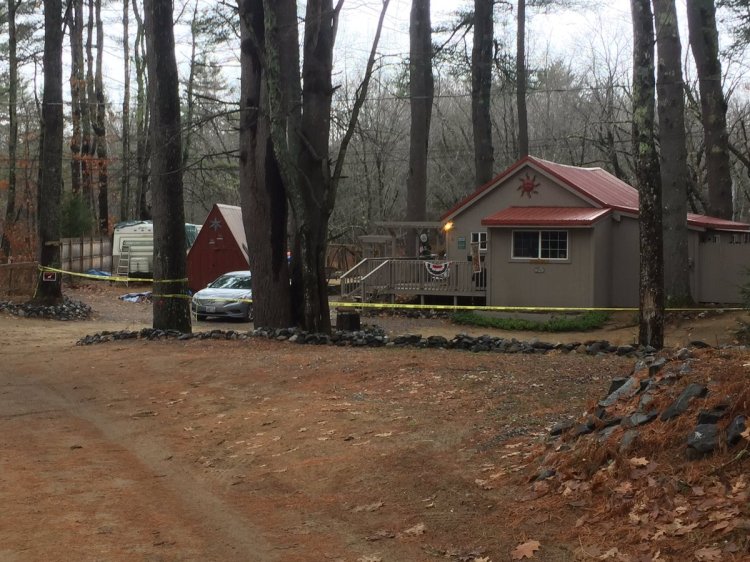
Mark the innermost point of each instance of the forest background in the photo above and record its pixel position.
(579, 105)
(558, 86)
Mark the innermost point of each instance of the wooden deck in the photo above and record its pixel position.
(386, 278)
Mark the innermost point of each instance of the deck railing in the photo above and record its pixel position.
(373, 277)
(351, 280)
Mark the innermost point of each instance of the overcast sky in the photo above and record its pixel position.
(562, 31)
(567, 34)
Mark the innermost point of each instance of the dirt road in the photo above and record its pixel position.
(263, 450)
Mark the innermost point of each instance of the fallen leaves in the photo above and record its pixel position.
(484, 484)
(525, 550)
(368, 507)
(638, 461)
(624, 489)
(381, 534)
(709, 554)
(610, 554)
(416, 530)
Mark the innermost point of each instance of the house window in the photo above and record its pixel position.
(481, 239)
(540, 244)
(706, 238)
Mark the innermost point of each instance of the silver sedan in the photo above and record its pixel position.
(229, 296)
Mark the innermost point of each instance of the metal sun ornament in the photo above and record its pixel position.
(528, 186)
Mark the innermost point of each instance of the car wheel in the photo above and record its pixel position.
(200, 316)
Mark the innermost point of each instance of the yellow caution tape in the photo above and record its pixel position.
(516, 308)
(110, 277)
(396, 306)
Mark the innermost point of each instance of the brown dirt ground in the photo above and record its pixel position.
(263, 450)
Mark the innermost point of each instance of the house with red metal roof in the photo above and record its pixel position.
(551, 235)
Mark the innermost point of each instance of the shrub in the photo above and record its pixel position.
(579, 322)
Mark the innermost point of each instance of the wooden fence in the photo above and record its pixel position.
(81, 254)
(78, 255)
(18, 279)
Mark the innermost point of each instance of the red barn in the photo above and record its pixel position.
(220, 247)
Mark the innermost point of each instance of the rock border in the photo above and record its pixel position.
(68, 309)
(375, 336)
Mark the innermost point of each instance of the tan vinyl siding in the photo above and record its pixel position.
(625, 268)
(541, 282)
(550, 194)
(723, 259)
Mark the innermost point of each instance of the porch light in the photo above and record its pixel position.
(447, 226)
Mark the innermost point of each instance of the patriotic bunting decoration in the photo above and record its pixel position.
(438, 269)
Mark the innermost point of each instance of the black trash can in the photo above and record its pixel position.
(347, 320)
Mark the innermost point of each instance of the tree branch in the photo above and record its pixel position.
(360, 97)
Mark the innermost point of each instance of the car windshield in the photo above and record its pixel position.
(232, 282)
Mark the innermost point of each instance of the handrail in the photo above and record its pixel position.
(350, 280)
(351, 270)
(372, 275)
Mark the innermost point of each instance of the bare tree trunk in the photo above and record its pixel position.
(523, 119)
(421, 90)
(651, 310)
(704, 42)
(262, 191)
(311, 195)
(188, 137)
(6, 246)
(77, 95)
(125, 159)
(481, 84)
(88, 146)
(50, 174)
(171, 311)
(300, 134)
(673, 153)
(102, 163)
(143, 143)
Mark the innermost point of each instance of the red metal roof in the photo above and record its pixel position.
(546, 216)
(714, 223)
(594, 184)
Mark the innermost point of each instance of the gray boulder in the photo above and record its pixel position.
(693, 390)
(703, 440)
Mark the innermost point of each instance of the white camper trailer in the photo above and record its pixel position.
(133, 248)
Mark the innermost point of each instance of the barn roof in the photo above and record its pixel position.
(233, 217)
(546, 216)
(595, 185)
